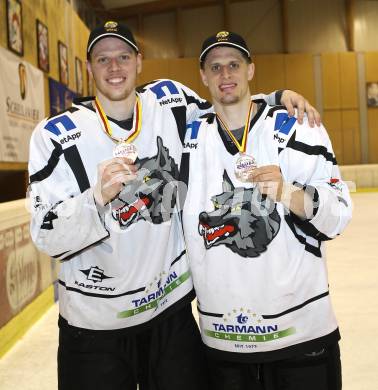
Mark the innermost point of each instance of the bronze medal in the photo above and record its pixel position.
(126, 150)
(243, 167)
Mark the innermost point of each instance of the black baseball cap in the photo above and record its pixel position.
(224, 38)
(111, 29)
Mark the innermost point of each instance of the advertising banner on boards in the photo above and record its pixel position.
(22, 105)
(24, 271)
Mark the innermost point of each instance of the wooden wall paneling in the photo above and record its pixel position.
(160, 38)
(41, 12)
(226, 15)
(366, 26)
(350, 17)
(198, 24)
(332, 122)
(138, 27)
(155, 7)
(284, 5)
(80, 39)
(28, 21)
(204, 91)
(348, 80)
(373, 135)
(186, 71)
(371, 62)
(179, 33)
(47, 94)
(316, 26)
(57, 24)
(253, 83)
(331, 81)
(70, 42)
(260, 23)
(253, 87)
(269, 73)
(299, 75)
(350, 124)
(135, 24)
(371, 74)
(3, 25)
(153, 69)
(364, 130)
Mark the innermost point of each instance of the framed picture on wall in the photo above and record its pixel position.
(79, 76)
(14, 26)
(43, 46)
(63, 63)
(372, 94)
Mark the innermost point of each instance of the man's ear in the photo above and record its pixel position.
(89, 67)
(139, 63)
(204, 78)
(251, 71)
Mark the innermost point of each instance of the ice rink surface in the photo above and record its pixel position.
(353, 278)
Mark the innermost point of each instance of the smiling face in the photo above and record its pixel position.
(226, 73)
(114, 66)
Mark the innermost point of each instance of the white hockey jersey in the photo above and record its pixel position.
(259, 271)
(127, 266)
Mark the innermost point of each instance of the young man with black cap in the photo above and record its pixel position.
(264, 193)
(125, 289)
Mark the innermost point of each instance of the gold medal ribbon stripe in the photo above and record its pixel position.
(137, 121)
(241, 147)
(137, 125)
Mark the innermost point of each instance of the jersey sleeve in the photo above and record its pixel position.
(272, 99)
(308, 161)
(196, 106)
(64, 219)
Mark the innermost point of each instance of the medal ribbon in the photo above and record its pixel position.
(137, 122)
(243, 145)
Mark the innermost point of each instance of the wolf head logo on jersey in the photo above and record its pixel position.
(244, 220)
(152, 195)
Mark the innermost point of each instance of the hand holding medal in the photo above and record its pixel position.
(113, 174)
(269, 180)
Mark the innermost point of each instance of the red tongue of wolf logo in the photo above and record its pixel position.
(133, 209)
(216, 232)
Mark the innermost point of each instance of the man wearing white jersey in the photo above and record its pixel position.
(103, 178)
(264, 193)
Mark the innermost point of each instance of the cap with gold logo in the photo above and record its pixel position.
(224, 38)
(111, 26)
(222, 35)
(111, 29)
